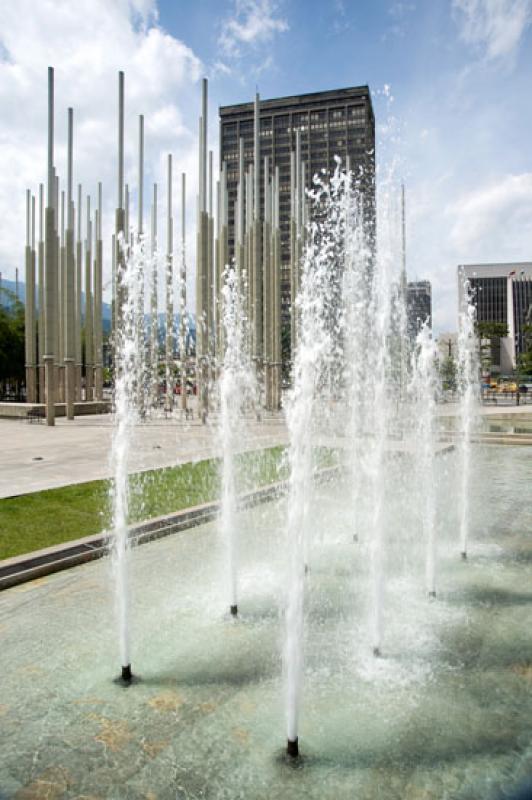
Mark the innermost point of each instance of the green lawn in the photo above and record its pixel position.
(42, 519)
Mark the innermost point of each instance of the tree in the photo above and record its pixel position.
(12, 347)
(448, 373)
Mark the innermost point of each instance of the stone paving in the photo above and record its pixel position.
(34, 457)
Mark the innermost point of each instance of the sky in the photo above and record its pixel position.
(451, 82)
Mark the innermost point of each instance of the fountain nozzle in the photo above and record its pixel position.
(432, 595)
(464, 555)
(292, 748)
(127, 675)
(233, 610)
(377, 652)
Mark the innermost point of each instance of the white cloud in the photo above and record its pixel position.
(87, 42)
(254, 22)
(494, 222)
(495, 27)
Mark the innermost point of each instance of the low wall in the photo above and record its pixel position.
(20, 410)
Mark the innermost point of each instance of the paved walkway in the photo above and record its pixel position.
(34, 457)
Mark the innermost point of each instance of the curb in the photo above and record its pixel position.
(28, 567)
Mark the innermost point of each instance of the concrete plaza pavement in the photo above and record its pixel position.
(34, 457)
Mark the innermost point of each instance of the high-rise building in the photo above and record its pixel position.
(419, 306)
(501, 293)
(332, 123)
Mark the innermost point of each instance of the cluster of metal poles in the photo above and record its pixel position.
(257, 259)
(59, 349)
(64, 335)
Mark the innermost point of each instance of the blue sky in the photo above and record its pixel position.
(452, 85)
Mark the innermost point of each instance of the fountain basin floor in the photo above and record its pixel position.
(445, 713)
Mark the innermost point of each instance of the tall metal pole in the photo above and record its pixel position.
(89, 362)
(141, 400)
(120, 242)
(79, 294)
(210, 271)
(140, 223)
(154, 305)
(202, 270)
(69, 347)
(98, 299)
(169, 398)
(31, 384)
(257, 277)
(183, 298)
(62, 301)
(50, 278)
(41, 323)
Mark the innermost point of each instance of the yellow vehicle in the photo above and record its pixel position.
(508, 387)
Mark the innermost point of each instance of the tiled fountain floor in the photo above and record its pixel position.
(445, 714)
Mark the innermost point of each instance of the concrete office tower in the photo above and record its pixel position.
(30, 329)
(338, 122)
(202, 269)
(50, 264)
(89, 347)
(41, 323)
(98, 299)
(78, 297)
(169, 354)
(154, 324)
(183, 297)
(69, 268)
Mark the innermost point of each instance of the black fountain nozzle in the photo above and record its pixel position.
(377, 652)
(355, 537)
(127, 675)
(292, 748)
(233, 610)
(464, 555)
(307, 569)
(432, 595)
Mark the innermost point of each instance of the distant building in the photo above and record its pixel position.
(501, 293)
(418, 306)
(333, 123)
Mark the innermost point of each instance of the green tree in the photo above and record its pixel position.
(448, 373)
(12, 353)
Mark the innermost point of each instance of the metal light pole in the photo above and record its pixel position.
(69, 283)
(50, 277)
(169, 398)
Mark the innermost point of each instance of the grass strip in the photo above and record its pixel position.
(43, 519)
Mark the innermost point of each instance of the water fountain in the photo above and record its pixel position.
(468, 378)
(237, 388)
(423, 388)
(129, 365)
(206, 717)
